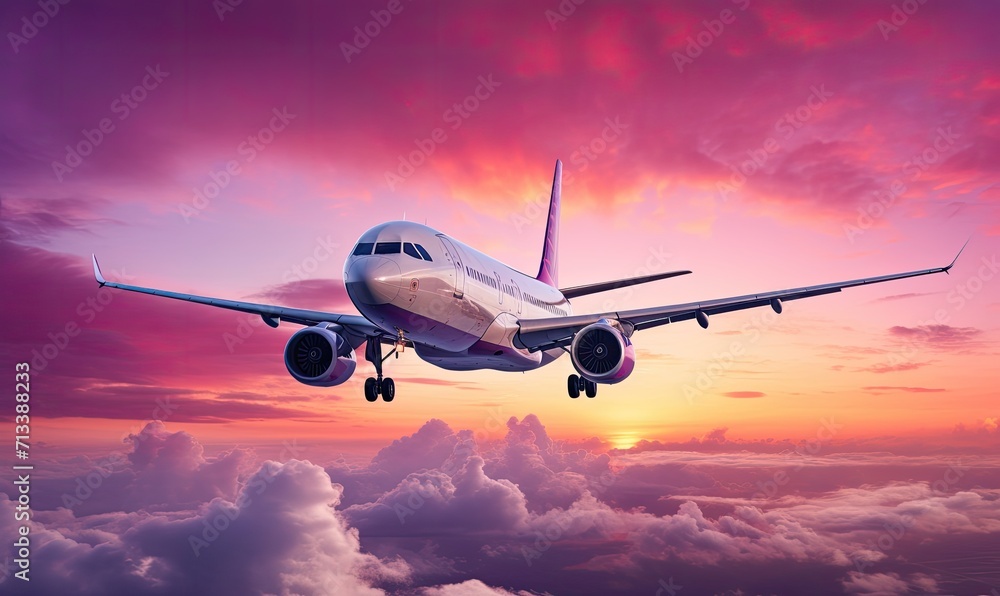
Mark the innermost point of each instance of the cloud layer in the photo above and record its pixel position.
(437, 513)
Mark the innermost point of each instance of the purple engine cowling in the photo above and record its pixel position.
(602, 353)
(319, 356)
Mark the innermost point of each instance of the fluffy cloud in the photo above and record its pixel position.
(428, 448)
(888, 583)
(163, 471)
(547, 474)
(280, 536)
(432, 503)
(472, 587)
(437, 513)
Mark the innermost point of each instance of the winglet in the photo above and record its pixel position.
(952, 264)
(97, 272)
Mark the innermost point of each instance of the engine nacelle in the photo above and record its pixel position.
(602, 353)
(319, 356)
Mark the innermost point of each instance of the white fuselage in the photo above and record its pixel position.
(460, 308)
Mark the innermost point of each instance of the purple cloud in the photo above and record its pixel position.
(437, 513)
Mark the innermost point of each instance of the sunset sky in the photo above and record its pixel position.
(240, 151)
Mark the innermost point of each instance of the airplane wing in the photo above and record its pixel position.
(357, 326)
(555, 332)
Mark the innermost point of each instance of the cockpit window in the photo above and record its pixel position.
(363, 248)
(423, 253)
(410, 250)
(388, 248)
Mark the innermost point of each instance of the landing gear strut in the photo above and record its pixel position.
(378, 386)
(575, 384)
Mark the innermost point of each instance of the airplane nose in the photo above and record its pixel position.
(373, 280)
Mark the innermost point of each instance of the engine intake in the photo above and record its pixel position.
(602, 353)
(320, 356)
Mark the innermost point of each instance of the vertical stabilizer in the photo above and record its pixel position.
(548, 270)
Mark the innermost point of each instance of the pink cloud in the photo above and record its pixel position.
(942, 337)
(889, 389)
(613, 55)
(744, 394)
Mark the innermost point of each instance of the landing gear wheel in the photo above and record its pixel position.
(573, 385)
(590, 388)
(371, 389)
(388, 389)
(378, 386)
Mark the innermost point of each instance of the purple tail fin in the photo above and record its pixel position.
(548, 271)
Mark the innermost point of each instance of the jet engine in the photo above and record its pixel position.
(320, 356)
(602, 353)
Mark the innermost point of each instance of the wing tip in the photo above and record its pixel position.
(97, 272)
(955, 260)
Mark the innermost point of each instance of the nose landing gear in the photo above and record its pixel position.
(378, 386)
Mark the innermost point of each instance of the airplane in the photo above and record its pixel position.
(460, 309)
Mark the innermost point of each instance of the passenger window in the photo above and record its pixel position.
(410, 250)
(388, 248)
(363, 248)
(423, 253)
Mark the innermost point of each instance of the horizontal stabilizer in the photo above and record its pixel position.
(614, 285)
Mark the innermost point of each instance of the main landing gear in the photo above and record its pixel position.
(575, 384)
(378, 386)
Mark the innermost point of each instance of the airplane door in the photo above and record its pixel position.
(452, 253)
